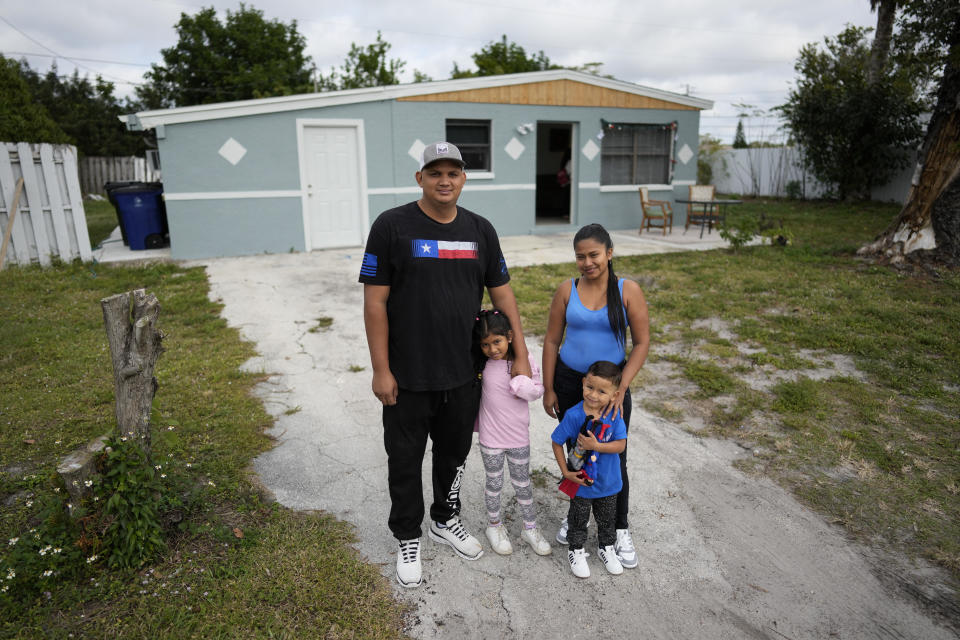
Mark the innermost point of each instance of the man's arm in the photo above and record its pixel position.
(503, 299)
(378, 334)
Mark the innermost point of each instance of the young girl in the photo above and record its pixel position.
(504, 428)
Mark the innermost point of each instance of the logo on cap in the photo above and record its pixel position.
(442, 148)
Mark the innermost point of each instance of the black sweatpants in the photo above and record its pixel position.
(603, 513)
(568, 385)
(447, 417)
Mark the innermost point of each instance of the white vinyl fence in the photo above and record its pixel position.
(49, 220)
(95, 171)
(768, 171)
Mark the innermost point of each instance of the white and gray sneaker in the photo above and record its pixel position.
(452, 533)
(562, 533)
(578, 562)
(608, 556)
(625, 549)
(409, 570)
(499, 541)
(535, 539)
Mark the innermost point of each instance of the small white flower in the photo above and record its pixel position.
(56, 489)
(57, 550)
(123, 438)
(57, 442)
(69, 505)
(12, 541)
(171, 428)
(11, 574)
(76, 484)
(210, 482)
(29, 503)
(92, 559)
(43, 551)
(88, 483)
(163, 475)
(158, 467)
(96, 498)
(4, 588)
(46, 574)
(189, 465)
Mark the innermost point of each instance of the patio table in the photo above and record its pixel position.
(715, 211)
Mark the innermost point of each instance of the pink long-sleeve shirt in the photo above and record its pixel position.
(504, 419)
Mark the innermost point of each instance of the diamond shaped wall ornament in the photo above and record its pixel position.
(232, 151)
(416, 150)
(684, 154)
(590, 150)
(514, 148)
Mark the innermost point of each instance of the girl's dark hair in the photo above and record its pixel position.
(618, 323)
(606, 370)
(489, 322)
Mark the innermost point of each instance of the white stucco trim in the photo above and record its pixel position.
(615, 188)
(302, 124)
(684, 183)
(480, 175)
(228, 195)
(196, 113)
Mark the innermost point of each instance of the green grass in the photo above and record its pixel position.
(289, 575)
(879, 455)
(101, 220)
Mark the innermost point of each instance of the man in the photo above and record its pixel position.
(424, 270)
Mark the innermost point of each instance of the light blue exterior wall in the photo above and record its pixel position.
(238, 226)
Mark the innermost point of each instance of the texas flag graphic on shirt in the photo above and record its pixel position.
(445, 249)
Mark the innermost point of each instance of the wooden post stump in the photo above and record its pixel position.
(135, 345)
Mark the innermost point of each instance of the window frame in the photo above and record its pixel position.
(470, 148)
(635, 152)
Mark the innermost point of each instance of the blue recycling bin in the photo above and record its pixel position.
(143, 215)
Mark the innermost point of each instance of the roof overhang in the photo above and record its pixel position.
(151, 119)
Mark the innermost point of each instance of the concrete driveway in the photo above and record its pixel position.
(722, 554)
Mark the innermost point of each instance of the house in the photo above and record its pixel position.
(304, 172)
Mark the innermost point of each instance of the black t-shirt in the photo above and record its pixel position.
(436, 273)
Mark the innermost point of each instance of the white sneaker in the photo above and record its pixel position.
(452, 533)
(562, 533)
(610, 560)
(534, 538)
(409, 570)
(499, 541)
(578, 562)
(625, 550)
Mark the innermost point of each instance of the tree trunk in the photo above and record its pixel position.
(927, 231)
(135, 345)
(886, 12)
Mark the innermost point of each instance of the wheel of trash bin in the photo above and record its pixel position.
(154, 241)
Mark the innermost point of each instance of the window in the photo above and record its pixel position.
(636, 153)
(472, 137)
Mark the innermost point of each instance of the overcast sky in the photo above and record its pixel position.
(739, 51)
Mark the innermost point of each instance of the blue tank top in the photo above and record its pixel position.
(588, 334)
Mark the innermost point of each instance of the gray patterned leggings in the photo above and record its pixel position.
(518, 460)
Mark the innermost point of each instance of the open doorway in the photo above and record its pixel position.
(555, 172)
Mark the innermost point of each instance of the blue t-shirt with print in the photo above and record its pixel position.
(607, 481)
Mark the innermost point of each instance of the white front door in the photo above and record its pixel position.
(333, 186)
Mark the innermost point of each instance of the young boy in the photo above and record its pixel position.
(599, 489)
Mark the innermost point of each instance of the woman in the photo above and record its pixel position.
(595, 311)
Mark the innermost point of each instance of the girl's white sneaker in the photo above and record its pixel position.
(497, 536)
(535, 539)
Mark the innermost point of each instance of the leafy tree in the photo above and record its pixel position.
(927, 230)
(22, 118)
(498, 58)
(369, 67)
(86, 111)
(739, 138)
(246, 56)
(853, 132)
(420, 76)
